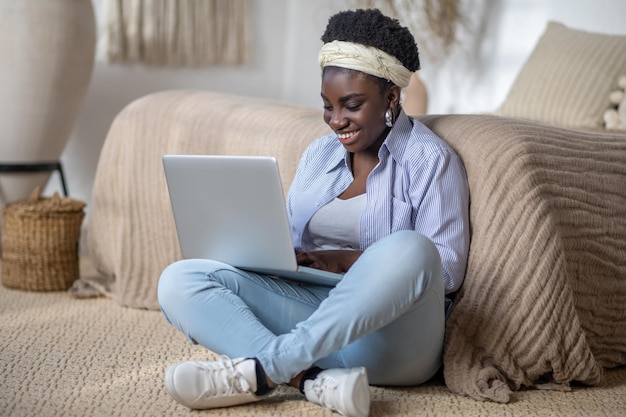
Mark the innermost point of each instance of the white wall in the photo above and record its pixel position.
(286, 42)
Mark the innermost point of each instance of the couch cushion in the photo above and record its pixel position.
(568, 78)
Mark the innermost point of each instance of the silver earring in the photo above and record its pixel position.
(389, 118)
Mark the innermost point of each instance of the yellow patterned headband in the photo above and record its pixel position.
(366, 59)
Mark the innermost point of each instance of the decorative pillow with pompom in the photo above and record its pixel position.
(567, 79)
(615, 115)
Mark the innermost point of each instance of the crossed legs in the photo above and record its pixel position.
(386, 315)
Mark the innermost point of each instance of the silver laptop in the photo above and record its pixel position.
(232, 209)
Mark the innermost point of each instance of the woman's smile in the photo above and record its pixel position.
(354, 107)
(347, 138)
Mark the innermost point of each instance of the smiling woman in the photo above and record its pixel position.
(356, 108)
(398, 231)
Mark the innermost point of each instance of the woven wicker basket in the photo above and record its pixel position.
(40, 242)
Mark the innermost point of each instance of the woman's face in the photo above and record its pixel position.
(354, 107)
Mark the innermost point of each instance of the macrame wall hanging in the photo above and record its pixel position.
(178, 33)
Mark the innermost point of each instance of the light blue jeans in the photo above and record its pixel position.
(386, 314)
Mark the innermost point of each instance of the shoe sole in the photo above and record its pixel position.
(360, 395)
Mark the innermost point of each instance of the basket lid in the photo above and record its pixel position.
(37, 204)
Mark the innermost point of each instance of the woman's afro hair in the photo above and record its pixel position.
(372, 28)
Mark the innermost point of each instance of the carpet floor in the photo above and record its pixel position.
(62, 356)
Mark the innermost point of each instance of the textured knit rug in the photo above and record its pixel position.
(63, 356)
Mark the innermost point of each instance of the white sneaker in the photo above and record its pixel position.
(222, 383)
(343, 390)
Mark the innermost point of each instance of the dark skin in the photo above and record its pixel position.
(354, 107)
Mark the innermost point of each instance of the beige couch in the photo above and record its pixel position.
(543, 299)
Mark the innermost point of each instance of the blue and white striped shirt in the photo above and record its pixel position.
(419, 184)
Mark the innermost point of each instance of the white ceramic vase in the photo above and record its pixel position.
(47, 50)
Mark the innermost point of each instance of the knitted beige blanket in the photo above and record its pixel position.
(543, 299)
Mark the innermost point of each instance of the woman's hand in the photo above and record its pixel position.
(329, 260)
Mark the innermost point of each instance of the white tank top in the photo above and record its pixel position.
(337, 225)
